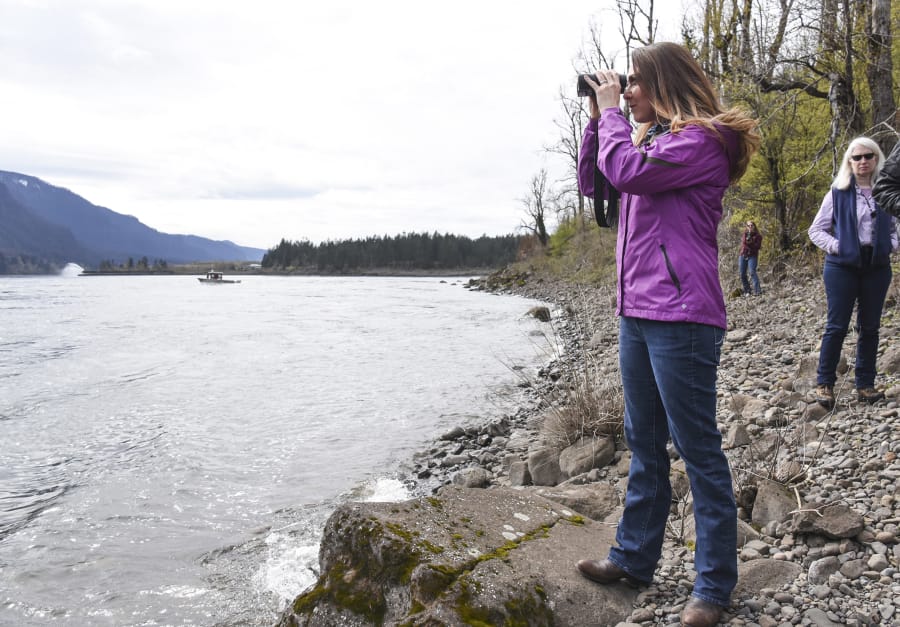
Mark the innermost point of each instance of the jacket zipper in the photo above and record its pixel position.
(627, 213)
(670, 269)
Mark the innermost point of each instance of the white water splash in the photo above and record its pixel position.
(71, 270)
(385, 490)
(291, 566)
(293, 552)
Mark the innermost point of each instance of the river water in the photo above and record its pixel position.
(169, 451)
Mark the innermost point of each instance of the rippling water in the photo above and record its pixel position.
(171, 450)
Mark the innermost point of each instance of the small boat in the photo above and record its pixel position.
(215, 277)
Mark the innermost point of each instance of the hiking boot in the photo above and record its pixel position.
(825, 396)
(869, 395)
(604, 571)
(699, 613)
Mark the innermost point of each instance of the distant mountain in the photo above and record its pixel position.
(23, 232)
(40, 220)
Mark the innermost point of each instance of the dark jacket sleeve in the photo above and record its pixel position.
(887, 187)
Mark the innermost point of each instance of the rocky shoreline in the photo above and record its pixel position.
(818, 490)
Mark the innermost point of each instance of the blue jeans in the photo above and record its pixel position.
(669, 379)
(846, 286)
(746, 264)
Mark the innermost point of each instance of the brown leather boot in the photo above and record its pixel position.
(825, 396)
(699, 613)
(604, 571)
(869, 395)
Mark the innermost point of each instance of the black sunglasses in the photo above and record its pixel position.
(865, 155)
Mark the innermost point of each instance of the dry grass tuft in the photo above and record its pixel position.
(594, 407)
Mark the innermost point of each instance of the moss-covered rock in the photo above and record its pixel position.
(463, 557)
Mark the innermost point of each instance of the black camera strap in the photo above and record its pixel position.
(607, 215)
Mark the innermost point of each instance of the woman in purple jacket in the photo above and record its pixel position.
(672, 175)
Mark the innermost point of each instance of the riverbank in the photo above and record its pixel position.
(200, 270)
(779, 442)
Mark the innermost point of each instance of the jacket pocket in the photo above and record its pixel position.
(670, 269)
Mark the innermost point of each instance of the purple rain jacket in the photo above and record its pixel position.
(667, 257)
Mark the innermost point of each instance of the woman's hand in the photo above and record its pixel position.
(606, 91)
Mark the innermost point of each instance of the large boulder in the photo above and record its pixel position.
(540, 312)
(755, 575)
(471, 478)
(889, 362)
(774, 503)
(594, 500)
(833, 521)
(461, 557)
(736, 437)
(543, 466)
(519, 474)
(585, 455)
(748, 408)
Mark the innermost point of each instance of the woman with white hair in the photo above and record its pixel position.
(858, 238)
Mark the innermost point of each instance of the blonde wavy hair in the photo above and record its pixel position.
(682, 95)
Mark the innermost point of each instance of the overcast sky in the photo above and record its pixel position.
(259, 120)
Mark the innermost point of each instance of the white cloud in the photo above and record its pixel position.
(257, 121)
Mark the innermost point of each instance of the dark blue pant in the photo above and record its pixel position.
(846, 286)
(669, 380)
(746, 264)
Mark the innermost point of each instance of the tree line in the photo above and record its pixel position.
(407, 252)
(109, 265)
(25, 264)
(814, 73)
